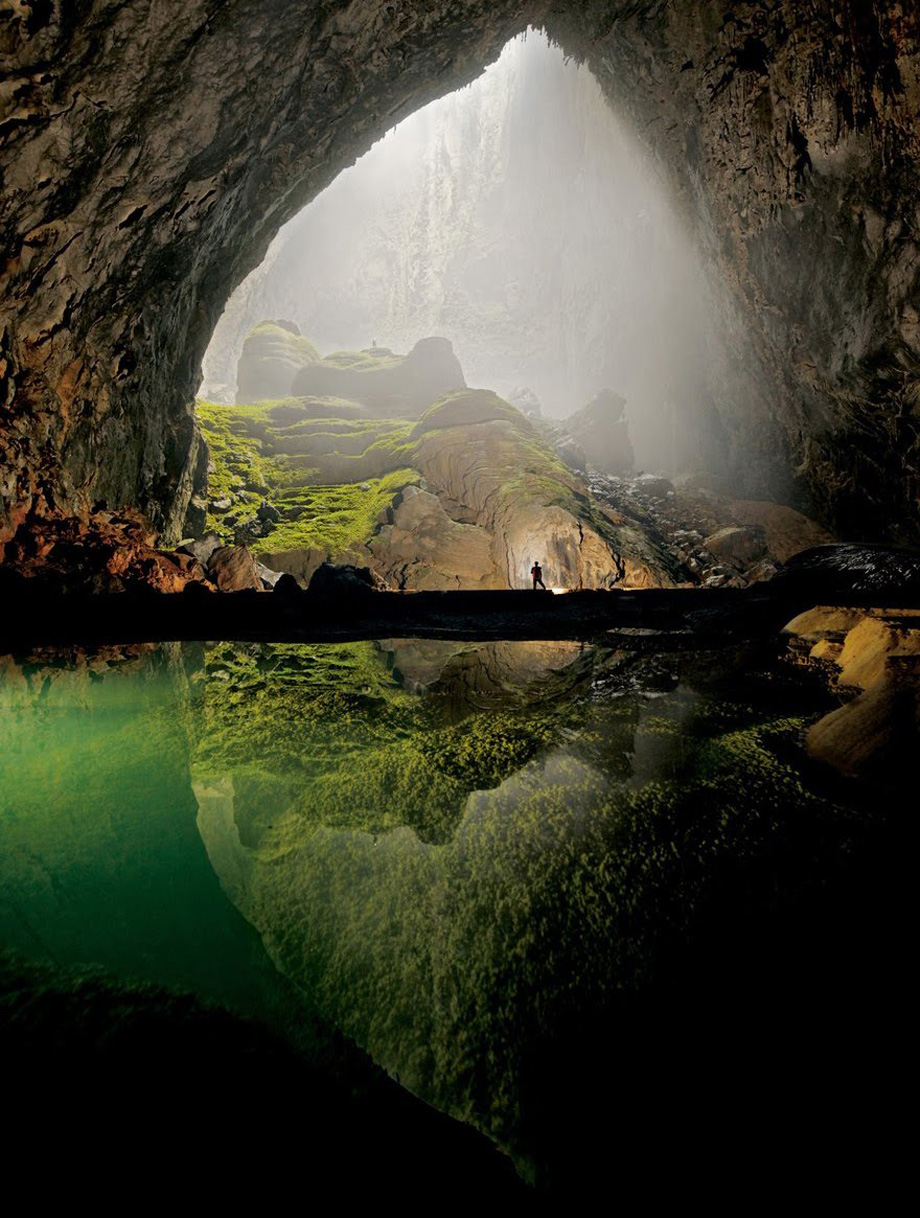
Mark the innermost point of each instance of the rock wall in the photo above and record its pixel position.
(790, 133)
(149, 158)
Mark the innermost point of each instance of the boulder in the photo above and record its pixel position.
(422, 548)
(653, 486)
(786, 531)
(201, 549)
(738, 546)
(286, 586)
(269, 577)
(824, 622)
(877, 651)
(105, 552)
(234, 569)
(272, 355)
(875, 736)
(600, 429)
(874, 642)
(332, 580)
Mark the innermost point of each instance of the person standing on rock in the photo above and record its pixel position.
(537, 572)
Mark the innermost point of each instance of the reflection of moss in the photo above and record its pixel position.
(364, 753)
(445, 962)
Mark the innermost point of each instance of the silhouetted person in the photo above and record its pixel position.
(537, 572)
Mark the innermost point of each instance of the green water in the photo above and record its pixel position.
(501, 869)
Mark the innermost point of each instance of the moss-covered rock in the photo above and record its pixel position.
(467, 496)
(388, 386)
(272, 355)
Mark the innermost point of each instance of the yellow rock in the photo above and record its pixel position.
(824, 649)
(868, 647)
(875, 735)
(824, 622)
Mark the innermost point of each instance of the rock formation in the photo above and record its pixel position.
(385, 385)
(272, 355)
(599, 430)
(467, 496)
(148, 162)
(872, 657)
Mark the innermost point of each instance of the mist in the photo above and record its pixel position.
(521, 219)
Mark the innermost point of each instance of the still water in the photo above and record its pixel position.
(517, 874)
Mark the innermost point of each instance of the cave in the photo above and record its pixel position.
(308, 787)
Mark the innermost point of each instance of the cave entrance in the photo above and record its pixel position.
(520, 219)
(454, 360)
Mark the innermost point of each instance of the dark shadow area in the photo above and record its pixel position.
(114, 1092)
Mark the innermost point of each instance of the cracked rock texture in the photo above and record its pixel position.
(149, 157)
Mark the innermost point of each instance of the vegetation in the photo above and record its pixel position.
(286, 340)
(253, 454)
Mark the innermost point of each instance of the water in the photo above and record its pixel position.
(531, 880)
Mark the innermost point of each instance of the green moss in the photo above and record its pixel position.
(293, 343)
(337, 515)
(338, 518)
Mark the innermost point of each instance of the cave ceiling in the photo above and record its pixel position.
(150, 152)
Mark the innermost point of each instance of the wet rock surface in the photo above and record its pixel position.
(716, 541)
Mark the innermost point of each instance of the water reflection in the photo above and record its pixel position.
(464, 872)
(525, 877)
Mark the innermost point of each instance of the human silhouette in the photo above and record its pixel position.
(537, 572)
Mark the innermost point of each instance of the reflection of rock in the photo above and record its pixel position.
(565, 888)
(390, 386)
(489, 674)
(273, 354)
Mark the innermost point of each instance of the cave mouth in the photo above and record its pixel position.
(519, 218)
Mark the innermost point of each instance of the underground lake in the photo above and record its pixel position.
(575, 897)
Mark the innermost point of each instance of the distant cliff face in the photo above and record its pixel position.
(148, 160)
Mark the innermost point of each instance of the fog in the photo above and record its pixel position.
(520, 218)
